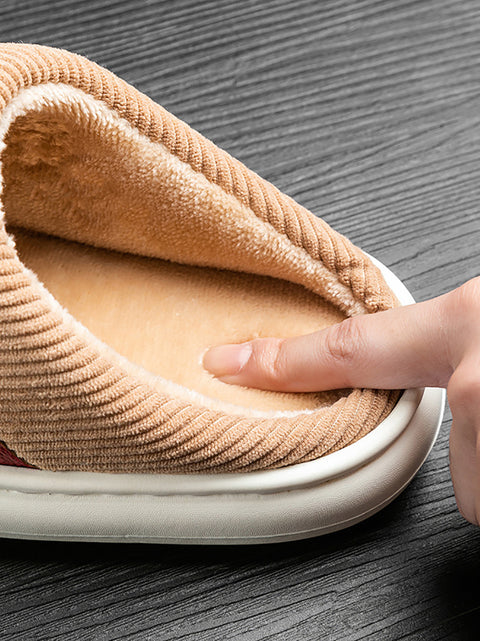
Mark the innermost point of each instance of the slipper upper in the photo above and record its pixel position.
(67, 400)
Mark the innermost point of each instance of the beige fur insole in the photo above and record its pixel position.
(163, 315)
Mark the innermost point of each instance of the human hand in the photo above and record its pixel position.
(435, 343)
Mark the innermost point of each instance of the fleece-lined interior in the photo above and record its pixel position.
(150, 256)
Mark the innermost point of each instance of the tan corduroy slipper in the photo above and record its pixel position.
(129, 245)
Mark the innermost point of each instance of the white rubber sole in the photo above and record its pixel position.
(295, 502)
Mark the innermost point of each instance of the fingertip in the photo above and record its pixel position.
(227, 360)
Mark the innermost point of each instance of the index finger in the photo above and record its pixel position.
(397, 348)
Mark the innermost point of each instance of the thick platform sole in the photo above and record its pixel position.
(295, 502)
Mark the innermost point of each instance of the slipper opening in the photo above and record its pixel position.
(148, 254)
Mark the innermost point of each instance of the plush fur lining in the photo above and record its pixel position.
(200, 225)
(241, 240)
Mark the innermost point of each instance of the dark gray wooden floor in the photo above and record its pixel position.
(368, 113)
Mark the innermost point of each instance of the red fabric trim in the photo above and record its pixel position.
(7, 457)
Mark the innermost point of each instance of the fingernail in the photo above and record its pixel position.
(227, 360)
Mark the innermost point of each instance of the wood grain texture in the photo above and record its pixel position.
(368, 113)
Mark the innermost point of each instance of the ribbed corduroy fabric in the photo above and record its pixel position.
(65, 404)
